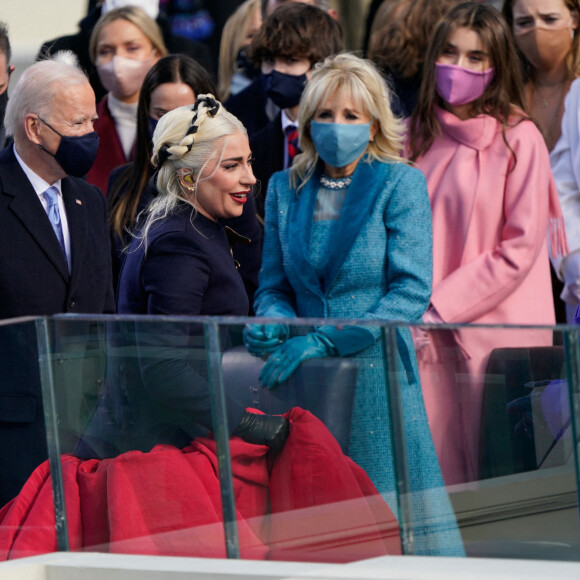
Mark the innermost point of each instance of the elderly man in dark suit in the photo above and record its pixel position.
(54, 243)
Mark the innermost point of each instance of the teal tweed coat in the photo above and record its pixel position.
(380, 269)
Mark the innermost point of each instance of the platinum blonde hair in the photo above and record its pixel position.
(184, 142)
(359, 79)
(36, 90)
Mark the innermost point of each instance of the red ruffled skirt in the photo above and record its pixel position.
(310, 503)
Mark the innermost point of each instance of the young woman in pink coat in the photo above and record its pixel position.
(494, 206)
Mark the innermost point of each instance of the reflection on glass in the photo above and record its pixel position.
(140, 465)
(453, 366)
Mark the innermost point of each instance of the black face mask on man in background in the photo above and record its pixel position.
(245, 66)
(285, 90)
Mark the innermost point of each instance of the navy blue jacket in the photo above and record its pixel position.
(162, 394)
(247, 255)
(186, 268)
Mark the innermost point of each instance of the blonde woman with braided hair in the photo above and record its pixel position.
(180, 260)
(180, 263)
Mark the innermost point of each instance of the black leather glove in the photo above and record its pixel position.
(270, 430)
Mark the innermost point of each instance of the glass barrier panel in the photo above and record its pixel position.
(129, 415)
(497, 401)
(329, 493)
(346, 440)
(22, 433)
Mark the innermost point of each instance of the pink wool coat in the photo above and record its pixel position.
(491, 218)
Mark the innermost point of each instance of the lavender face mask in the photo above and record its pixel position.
(458, 86)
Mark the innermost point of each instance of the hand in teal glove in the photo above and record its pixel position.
(286, 359)
(261, 339)
(326, 341)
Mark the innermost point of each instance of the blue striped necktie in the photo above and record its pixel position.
(51, 197)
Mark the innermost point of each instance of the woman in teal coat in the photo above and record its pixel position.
(348, 235)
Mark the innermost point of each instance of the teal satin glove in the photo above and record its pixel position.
(348, 340)
(326, 341)
(287, 358)
(262, 339)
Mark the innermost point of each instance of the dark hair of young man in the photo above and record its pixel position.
(297, 30)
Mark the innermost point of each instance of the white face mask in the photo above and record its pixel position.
(151, 7)
(124, 76)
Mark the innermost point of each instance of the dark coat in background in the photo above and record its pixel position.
(250, 106)
(267, 146)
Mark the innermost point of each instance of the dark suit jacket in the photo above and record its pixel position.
(34, 280)
(248, 255)
(249, 106)
(267, 146)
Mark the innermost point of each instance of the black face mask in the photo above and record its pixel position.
(75, 155)
(152, 126)
(285, 90)
(3, 105)
(246, 67)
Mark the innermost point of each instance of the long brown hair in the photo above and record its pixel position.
(401, 32)
(504, 96)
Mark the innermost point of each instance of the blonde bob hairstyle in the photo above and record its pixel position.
(184, 142)
(359, 79)
(136, 16)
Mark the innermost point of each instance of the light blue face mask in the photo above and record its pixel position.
(339, 144)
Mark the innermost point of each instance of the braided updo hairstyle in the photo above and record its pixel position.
(185, 140)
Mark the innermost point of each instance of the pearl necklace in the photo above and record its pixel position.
(334, 183)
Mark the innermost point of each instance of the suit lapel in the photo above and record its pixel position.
(367, 182)
(301, 215)
(28, 209)
(76, 214)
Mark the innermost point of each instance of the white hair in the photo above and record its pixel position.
(66, 57)
(35, 92)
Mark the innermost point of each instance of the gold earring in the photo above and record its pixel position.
(188, 183)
